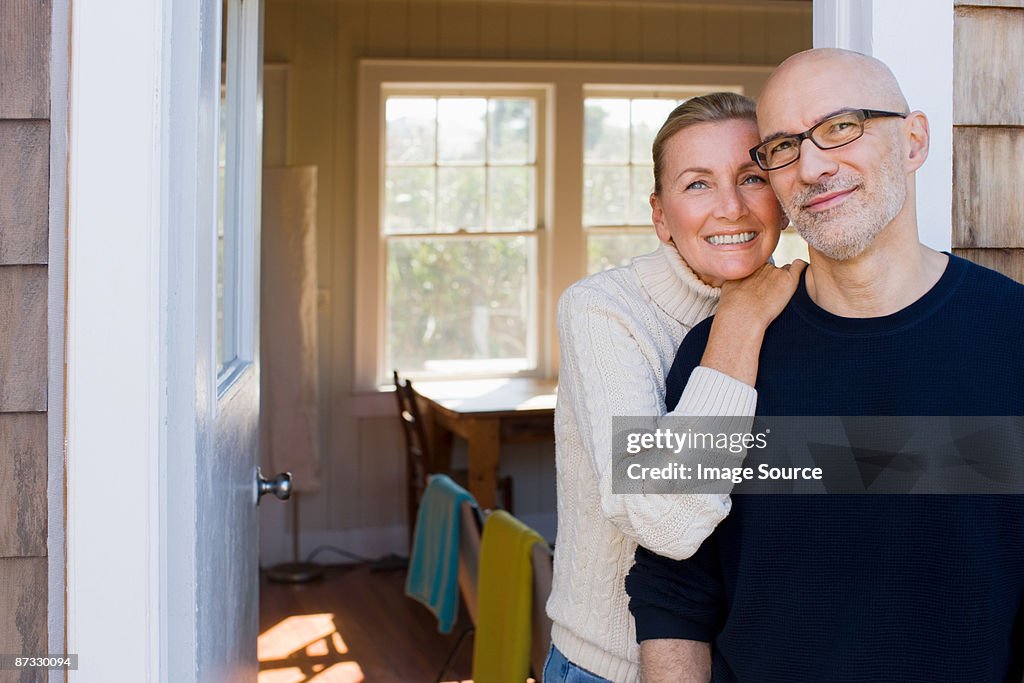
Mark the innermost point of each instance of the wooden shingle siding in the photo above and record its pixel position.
(24, 192)
(25, 44)
(22, 485)
(24, 59)
(23, 611)
(988, 159)
(989, 3)
(988, 134)
(988, 81)
(1009, 262)
(23, 339)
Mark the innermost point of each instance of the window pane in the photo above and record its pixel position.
(648, 116)
(510, 139)
(510, 198)
(222, 161)
(605, 195)
(411, 130)
(455, 304)
(461, 129)
(608, 251)
(606, 131)
(642, 184)
(460, 199)
(410, 200)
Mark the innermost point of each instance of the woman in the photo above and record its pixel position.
(719, 221)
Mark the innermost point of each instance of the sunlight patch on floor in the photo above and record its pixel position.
(294, 633)
(342, 672)
(292, 674)
(305, 649)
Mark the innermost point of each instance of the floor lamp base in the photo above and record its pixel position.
(295, 572)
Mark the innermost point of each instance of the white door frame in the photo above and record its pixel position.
(915, 39)
(114, 352)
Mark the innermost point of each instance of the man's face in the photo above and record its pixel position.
(838, 199)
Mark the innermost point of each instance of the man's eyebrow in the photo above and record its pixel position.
(829, 115)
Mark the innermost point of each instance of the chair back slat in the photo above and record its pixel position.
(417, 448)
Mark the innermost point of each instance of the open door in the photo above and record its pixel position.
(164, 160)
(213, 381)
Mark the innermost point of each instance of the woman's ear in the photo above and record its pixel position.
(658, 218)
(917, 137)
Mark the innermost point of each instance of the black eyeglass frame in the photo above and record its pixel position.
(798, 138)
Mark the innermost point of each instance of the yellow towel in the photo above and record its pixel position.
(501, 648)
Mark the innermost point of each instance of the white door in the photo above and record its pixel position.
(217, 380)
(162, 352)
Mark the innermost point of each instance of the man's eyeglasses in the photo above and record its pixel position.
(835, 131)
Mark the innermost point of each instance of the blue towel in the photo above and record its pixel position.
(433, 577)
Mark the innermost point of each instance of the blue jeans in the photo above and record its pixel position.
(558, 669)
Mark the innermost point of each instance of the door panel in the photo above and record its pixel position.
(227, 361)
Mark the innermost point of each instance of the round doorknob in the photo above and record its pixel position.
(280, 486)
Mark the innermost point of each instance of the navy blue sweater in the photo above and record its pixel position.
(863, 587)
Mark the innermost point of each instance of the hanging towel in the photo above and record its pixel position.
(501, 648)
(434, 564)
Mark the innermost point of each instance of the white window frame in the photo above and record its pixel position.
(561, 237)
(540, 95)
(241, 213)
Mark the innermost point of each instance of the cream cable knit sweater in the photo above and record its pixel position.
(619, 333)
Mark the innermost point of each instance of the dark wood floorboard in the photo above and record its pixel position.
(353, 625)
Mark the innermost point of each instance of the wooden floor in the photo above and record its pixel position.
(353, 625)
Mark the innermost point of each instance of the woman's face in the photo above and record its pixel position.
(715, 204)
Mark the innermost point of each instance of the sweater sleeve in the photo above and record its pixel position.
(606, 372)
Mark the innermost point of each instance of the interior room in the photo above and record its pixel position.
(348, 87)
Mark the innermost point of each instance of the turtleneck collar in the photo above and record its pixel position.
(674, 287)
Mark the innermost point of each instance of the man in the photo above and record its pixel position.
(859, 587)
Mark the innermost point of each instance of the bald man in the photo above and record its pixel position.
(856, 587)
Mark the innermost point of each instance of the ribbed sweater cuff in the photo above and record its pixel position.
(713, 393)
(594, 659)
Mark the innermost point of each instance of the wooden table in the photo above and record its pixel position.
(487, 413)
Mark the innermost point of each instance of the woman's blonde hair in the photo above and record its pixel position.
(711, 108)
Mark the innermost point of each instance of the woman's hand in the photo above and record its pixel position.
(759, 298)
(744, 312)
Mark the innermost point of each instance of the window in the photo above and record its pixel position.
(238, 161)
(618, 176)
(460, 196)
(485, 189)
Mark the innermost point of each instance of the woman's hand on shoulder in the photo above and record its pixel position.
(761, 296)
(745, 310)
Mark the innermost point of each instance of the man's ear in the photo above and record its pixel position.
(917, 136)
(658, 218)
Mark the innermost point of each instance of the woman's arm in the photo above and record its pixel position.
(610, 368)
(744, 312)
(612, 364)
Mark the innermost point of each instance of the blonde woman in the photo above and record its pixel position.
(718, 221)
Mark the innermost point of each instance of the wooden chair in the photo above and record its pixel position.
(417, 450)
(471, 527)
(419, 462)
